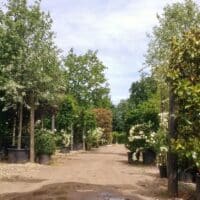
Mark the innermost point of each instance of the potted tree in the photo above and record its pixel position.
(66, 140)
(141, 140)
(162, 162)
(45, 146)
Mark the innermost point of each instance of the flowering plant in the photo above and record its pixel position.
(162, 156)
(66, 138)
(140, 137)
(93, 137)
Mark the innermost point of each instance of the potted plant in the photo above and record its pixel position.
(66, 140)
(45, 146)
(162, 162)
(93, 138)
(141, 139)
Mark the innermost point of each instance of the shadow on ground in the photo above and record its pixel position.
(74, 191)
(21, 179)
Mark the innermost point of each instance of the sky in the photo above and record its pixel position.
(116, 28)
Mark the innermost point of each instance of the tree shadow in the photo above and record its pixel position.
(21, 179)
(155, 189)
(74, 191)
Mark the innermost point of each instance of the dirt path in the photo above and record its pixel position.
(101, 174)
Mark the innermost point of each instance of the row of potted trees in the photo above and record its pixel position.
(154, 149)
(46, 143)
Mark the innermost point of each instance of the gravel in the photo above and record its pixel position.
(11, 170)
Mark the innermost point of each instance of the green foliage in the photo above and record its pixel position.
(119, 138)
(104, 120)
(119, 113)
(85, 79)
(145, 112)
(67, 113)
(140, 138)
(93, 138)
(142, 90)
(184, 77)
(174, 21)
(44, 142)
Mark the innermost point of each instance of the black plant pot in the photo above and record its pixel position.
(18, 155)
(163, 171)
(130, 157)
(1, 155)
(149, 157)
(197, 186)
(44, 159)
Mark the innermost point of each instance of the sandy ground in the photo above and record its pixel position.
(102, 174)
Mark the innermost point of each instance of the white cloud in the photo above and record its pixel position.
(116, 28)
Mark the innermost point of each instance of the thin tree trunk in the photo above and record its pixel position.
(42, 122)
(14, 132)
(84, 137)
(53, 122)
(19, 140)
(172, 157)
(72, 137)
(32, 139)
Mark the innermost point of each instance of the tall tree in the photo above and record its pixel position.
(86, 79)
(33, 71)
(175, 20)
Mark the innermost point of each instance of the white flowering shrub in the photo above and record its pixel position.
(162, 156)
(141, 137)
(164, 119)
(93, 137)
(66, 139)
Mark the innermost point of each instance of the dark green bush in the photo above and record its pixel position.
(44, 142)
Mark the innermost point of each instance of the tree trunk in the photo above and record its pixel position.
(53, 123)
(19, 140)
(42, 122)
(14, 132)
(84, 137)
(172, 157)
(32, 139)
(72, 137)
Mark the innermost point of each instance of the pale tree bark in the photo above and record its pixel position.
(53, 123)
(14, 131)
(84, 137)
(32, 134)
(19, 140)
(172, 156)
(72, 137)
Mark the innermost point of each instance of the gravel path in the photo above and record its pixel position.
(102, 174)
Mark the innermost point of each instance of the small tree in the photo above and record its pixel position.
(104, 120)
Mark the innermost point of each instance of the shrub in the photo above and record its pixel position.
(119, 138)
(44, 142)
(104, 120)
(141, 137)
(93, 137)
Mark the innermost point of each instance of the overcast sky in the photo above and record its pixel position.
(116, 28)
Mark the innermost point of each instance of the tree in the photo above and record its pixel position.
(85, 79)
(67, 113)
(184, 78)
(29, 61)
(119, 113)
(141, 90)
(104, 120)
(175, 20)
